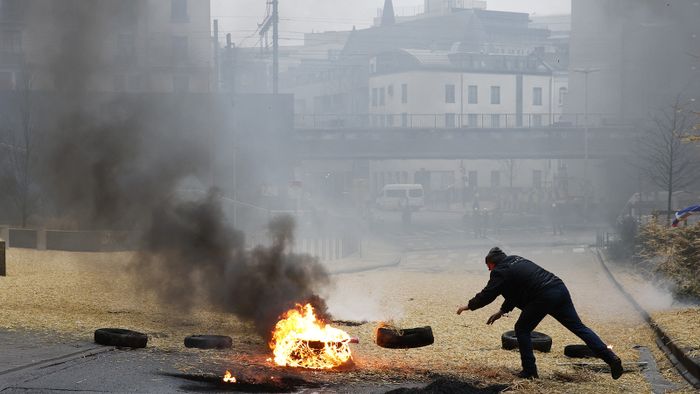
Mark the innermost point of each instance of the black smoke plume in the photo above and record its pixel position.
(118, 162)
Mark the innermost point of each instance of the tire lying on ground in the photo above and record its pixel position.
(209, 341)
(120, 337)
(578, 351)
(540, 341)
(393, 338)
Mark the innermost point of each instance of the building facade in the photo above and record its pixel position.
(419, 88)
(109, 46)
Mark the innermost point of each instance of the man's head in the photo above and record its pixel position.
(494, 257)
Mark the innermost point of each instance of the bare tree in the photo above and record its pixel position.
(667, 160)
(507, 165)
(19, 148)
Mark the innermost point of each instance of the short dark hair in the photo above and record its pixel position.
(495, 255)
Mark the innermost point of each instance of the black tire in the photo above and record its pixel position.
(209, 341)
(392, 338)
(120, 337)
(578, 351)
(540, 341)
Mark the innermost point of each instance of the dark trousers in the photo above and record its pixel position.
(556, 302)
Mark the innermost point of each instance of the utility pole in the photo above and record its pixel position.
(216, 55)
(275, 47)
(272, 20)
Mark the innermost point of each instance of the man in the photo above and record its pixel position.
(538, 293)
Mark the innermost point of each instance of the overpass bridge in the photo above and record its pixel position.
(562, 140)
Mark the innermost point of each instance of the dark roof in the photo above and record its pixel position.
(471, 28)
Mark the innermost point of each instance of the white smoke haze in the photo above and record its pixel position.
(657, 296)
(364, 298)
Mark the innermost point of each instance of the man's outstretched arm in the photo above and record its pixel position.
(487, 295)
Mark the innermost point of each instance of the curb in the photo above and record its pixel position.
(686, 366)
(370, 267)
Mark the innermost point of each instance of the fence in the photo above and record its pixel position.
(72, 241)
(324, 248)
(453, 120)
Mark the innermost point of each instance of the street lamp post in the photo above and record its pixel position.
(586, 181)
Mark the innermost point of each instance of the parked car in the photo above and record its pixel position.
(399, 196)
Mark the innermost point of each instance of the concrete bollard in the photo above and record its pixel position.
(2, 258)
(41, 239)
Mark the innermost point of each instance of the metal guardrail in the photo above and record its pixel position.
(454, 121)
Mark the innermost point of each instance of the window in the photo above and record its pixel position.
(537, 179)
(375, 93)
(449, 93)
(404, 93)
(135, 83)
(125, 46)
(382, 96)
(536, 96)
(562, 95)
(180, 48)
(537, 120)
(472, 94)
(404, 119)
(390, 90)
(450, 120)
(495, 120)
(11, 41)
(495, 178)
(178, 11)
(126, 13)
(472, 120)
(495, 94)
(6, 81)
(473, 180)
(119, 83)
(10, 10)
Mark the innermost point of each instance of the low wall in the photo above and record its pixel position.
(72, 241)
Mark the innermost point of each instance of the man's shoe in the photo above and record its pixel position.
(527, 375)
(616, 367)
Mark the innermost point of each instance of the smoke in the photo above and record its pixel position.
(190, 258)
(120, 161)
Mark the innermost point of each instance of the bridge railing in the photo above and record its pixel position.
(451, 120)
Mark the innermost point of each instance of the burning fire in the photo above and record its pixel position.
(228, 378)
(299, 340)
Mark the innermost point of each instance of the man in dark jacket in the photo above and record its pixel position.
(538, 293)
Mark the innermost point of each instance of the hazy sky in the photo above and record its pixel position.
(240, 17)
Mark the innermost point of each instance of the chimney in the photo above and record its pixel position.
(388, 14)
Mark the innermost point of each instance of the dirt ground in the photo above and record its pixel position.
(69, 295)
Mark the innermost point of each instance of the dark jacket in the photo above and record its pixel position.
(518, 280)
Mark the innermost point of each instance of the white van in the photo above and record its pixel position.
(394, 197)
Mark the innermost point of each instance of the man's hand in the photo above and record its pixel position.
(494, 317)
(462, 309)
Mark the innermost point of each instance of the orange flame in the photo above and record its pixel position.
(228, 378)
(299, 340)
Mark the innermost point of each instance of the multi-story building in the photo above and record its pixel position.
(452, 29)
(632, 58)
(438, 89)
(107, 46)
